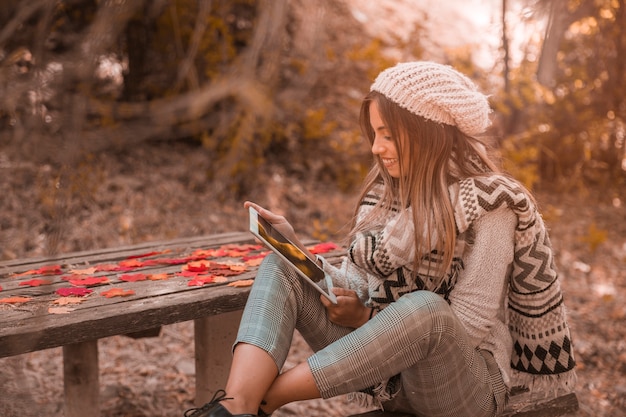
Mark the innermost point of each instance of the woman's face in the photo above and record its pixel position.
(384, 145)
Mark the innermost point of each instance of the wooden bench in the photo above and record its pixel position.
(520, 405)
(159, 275)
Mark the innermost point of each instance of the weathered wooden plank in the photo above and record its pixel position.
(92, 257)
(48, 330)
(524, 406)
(81, 379)
(214, 337)
(520, 405)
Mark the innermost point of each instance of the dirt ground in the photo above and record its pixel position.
(160, 192)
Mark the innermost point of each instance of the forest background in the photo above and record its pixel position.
(133, 120)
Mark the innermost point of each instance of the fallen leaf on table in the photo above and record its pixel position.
(157, 277)
(86, 282)
(131, 263)
(15, 300)
(200, 280)
(77, 292)
(86, 271)
(133, 277)
(60, 310)
(254, 261)
(322, 247)
(36, 282)
(242, 283)
(44, 270)
(238, 267)
(117, 292)
(68, 300)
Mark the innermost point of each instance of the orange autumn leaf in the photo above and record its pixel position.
(131, 263)
(238, 267)
(36, 282)
(44, 270)
(254, 261)
(15, 300)
(158, 277)
(242, 283)
(117, 292)
(62, 301)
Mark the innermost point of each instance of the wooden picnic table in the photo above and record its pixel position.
(159, 275)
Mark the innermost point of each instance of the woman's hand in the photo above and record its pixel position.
(281, 224)
(349, 310)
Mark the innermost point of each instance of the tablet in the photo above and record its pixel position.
(308, 269)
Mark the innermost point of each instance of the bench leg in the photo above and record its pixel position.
(214, 336)
(80, 373)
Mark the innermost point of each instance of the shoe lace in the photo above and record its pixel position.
(219, 395)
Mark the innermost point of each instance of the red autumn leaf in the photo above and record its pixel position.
(44, 270)
(174, 261)
(255, 256)
(201, 280)
(133, 277)
(77, 292)
(36, 282)
(323, 247)
(117, 292)
(89, 281)
(15, 300)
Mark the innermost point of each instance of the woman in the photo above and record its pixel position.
(448, 296)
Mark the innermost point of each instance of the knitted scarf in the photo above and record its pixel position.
(542, 343)
(542, 349)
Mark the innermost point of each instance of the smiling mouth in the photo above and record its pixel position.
(387, 162)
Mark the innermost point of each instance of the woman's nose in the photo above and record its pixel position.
(377, 147)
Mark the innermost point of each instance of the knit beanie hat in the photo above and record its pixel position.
(436, 92)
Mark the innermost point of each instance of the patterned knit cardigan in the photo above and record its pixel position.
(542, 354)
(542, 343)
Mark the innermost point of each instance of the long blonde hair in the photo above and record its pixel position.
(440, 155)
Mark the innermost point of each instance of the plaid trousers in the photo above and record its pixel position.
(418, 338)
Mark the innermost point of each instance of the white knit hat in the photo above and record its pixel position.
(436, 92)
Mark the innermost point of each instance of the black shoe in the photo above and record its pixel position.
(214, 409)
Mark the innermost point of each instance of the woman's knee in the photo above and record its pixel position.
(429, 307)
(275, 269)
